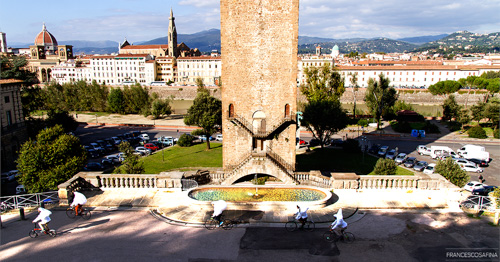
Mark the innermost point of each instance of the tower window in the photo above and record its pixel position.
(231, 110)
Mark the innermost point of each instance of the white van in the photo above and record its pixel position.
(439, 151)
(473, 151)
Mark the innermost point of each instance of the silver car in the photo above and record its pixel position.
(400, 158)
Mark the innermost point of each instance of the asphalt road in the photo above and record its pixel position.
(137, 236)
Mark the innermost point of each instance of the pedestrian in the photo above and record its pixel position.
(481, 179)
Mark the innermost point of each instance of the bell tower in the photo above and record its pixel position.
(172, 36)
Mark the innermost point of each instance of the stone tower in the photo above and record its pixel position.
(259, 87)
(172, 36)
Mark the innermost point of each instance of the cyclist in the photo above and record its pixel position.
(339, 225)
(44, 218)
(302, 215)
(219, 207)
(78, 201)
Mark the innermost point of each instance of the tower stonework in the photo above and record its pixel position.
(172, 36)
(259, 87)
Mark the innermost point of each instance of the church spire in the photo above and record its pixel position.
(172, 36)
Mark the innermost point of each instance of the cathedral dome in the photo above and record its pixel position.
(45, 38)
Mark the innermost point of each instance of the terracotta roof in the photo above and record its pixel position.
(118, 56)
(10, 81)
(199, 58)
(145, 47)
(416, 67)
(45, 37)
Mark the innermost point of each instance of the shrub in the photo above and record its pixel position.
(185, 140)
(454, 126)
(477, 132)
(401, 127)
(351, 145)
(496, 195)
(452, 172)
(363, 122)
(385, 167)
(431, 128)
(496, 133)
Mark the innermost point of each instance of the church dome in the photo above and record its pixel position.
(45, 38)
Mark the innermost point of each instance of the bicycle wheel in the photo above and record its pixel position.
(33, 234)
(86, 214)
(70, 213)
(309, 226)
(291, 226)
(210, 224)
(348, 237)
(227, 224)
(52, 233)
(329, 236)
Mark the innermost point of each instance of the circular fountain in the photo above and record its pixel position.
(260, 197)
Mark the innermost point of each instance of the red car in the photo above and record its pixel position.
(151, 146)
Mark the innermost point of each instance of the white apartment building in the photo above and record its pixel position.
(120, 69)
(71, 71)
(208, 68)
(310, 61)
(412, 75)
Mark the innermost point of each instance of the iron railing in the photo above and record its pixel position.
(479, 203)
(29, 200)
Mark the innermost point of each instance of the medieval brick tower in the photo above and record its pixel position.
(259, 87)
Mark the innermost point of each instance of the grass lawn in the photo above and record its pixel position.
(326, 159)
(177, 157)
(337, 160)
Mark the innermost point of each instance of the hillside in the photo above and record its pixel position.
(464, 41)
(364, 46)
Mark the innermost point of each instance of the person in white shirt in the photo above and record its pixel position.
(339, 225)
(44, 218)
(301, 215)
(219, 207)
(79, 200)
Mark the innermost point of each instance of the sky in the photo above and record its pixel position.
(143, 20)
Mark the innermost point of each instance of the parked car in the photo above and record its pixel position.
(374, 149)
(337, 142)
(166, 140)
(10, 176)
(391, 154)
(429, 169)
(481, 163)
(463, 161)
(203, 138)
(219, 138)
(111, 160)
(382, 151)
(107, 147)
(151, 146)
(400, 158)
(116, 140)
(423, 150)
(472, 185)
(98, 148)
(144, 136)
(471, 168)
(142, 150)
(484, 191)
(91, 152)
(93, 166)
(420, 166)
(410, 162)
(314, 142)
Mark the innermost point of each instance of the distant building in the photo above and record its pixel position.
(3, 43)
(14, 132)
(46, 54)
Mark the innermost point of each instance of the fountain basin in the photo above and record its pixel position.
(267, 198)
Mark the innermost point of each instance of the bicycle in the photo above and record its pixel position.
(226, 224)
(292, 225)
(332, 236)
(38, 231)
(84, 213)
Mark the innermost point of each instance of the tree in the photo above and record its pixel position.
(451, 108)
(380, 97)
(116, 101)
(322, 83)
(492, 111)
(355, 87)
(206, 112)
(385, 167)
(15, 68)
(31, 98)
(132, 163)
(324, 118)
(136, 99)
(160, 107)
(491, 75)
(477, 111)
(62, 118)
(445, 87)
(51, 159)
(452, 172)
(472, 82)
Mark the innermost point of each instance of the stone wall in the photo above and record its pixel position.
(259, 70)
